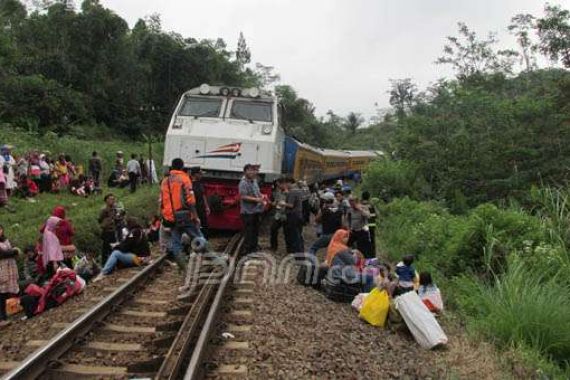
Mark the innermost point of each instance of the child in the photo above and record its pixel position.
(385, 280)
(32, 269)
(27, 187)
(407, 276)
(429, 293)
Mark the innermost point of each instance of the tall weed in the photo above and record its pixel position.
(522, 306)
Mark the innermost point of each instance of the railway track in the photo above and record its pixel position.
(142, 329)
(224, 344)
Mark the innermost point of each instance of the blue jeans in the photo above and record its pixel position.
(321, 242)
(127, 259)
(176, 241)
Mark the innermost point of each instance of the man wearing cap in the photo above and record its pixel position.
(330, 216)
(202, 207)
(252, 204)
(178, 208)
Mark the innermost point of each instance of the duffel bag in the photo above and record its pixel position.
(340, 292)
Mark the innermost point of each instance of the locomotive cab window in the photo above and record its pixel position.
(201, 107)
(253, 111)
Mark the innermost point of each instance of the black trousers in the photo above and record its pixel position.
(3, 298)
(362, 240)
(294, 234)
(133, 181)
(251, 232)
(108, 238)
(274, 232)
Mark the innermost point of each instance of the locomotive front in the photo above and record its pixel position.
(221, 129)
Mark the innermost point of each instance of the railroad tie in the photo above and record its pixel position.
(129, 329)
(235, 345)
(238, 328)
(144, 314)
(146, 301)
(226, 370)
(8, 366)
(118, 347)
(242, 300)
(83, 370)
(241, 313)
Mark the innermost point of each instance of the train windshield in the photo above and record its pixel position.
(201, 107)
(253, 111)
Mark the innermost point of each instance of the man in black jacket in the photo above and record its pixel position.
(133, 251)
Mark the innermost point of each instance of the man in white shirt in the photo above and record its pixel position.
(134, 171)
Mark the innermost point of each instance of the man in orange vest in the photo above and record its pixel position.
(178, 208)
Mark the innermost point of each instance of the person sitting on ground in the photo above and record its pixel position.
(429, 293)
(338, 243)
(71, 167)
(407, 276)
(330, 217)
(77, 186)
(385, 280)
(133, 251)
(26, 187)
(32, 271)
(8, 275)
(346, 267)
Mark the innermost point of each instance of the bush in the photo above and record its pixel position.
(389, 179)
(522, 307)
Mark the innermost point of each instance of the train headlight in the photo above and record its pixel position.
(236, 92)
(253, 92)
(224, 91)
(267, 129)
(204, 89)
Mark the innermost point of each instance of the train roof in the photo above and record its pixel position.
(244, 92)
(361, 153)
(333, 152)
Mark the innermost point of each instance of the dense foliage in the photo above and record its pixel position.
(60, 68)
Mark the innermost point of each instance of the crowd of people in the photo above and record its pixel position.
(344, 225)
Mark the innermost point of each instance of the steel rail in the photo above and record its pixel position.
(194, 369)
(172, 365)
(39, 361)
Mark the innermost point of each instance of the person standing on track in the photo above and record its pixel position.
(279, 217)
(202, 206)
(294, 211)
(252, 204)
(178, 208)
(134, 170)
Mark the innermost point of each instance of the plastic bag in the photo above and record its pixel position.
(420, 321)
(431, 297)
(375, 308)
(358, 301)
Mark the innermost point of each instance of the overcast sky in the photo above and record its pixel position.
(340, 54)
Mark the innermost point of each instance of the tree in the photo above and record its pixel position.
(469, 55)
(554, 33)
(243, 55)
(520, 26)
(353, 121)
(267, 75)
(402, 95)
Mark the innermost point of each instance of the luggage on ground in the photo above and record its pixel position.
(375, 307)
(420, 321)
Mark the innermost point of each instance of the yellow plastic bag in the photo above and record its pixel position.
(375, 308)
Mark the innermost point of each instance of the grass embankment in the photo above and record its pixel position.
(23, 224)
(503, 271)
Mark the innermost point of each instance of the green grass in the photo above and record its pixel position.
(22, 225)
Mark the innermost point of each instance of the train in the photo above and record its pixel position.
(223, 128)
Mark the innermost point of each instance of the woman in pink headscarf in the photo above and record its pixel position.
(3, 193)
(51, 248)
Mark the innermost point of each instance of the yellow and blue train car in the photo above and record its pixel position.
(305, 162)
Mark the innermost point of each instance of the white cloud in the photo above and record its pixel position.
(340, 54)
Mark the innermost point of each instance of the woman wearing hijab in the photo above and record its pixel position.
(51, 247)
(338, 243)
(61, 172)
(8, 275)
